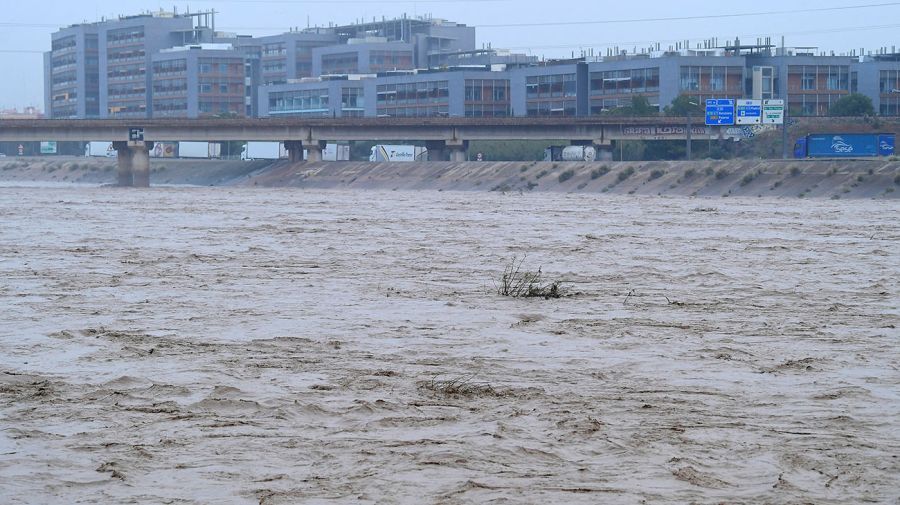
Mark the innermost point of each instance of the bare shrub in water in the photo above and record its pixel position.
(519, 283)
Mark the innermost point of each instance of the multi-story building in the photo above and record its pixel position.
(198, 81)
(420, 67)
(127, 46)
(72, 73)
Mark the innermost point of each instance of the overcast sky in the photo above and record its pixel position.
(539, 27)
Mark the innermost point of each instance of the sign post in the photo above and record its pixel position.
(135, 134)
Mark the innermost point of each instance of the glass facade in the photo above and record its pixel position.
(353, 103)
(413, 99)
(550, 95)
(889, 89)
(341, 63)
(487, 98)
(813, 89)
(304, 103)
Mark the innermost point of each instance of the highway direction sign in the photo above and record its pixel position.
(748, 112)
(719, 112)
(773, 112)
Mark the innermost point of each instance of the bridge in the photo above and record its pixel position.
(445, 137)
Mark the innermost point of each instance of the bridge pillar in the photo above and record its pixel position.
(437, 150)
(123, 155)
(604, 150)
(314, 150)
(295, 150)
(140, 163)
(458, 150)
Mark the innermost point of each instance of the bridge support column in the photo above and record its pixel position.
(437, 150)
(458, 150)
(123, 155)
(295, 150)
(140, 163)
(314, 150)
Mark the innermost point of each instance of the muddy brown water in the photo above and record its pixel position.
(196, 345)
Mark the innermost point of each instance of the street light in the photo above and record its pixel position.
(689, 128)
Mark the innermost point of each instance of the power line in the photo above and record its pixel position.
(685, 18)
(682, 39)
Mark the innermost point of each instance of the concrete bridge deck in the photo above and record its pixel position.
(445, 138)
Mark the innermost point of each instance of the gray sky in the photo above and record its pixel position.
(25, 26)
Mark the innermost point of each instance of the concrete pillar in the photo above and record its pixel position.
(314, 150)
(604, 150)
(458, 150)
(295, 150)
(140, 164)
(123, 155)
(437, 150)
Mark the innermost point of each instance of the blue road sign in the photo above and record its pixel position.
(749, 112)
(720, 112)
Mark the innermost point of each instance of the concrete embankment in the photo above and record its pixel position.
(753, 178)
(794, 178)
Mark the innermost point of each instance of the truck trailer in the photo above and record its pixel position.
(99, 149)
(398, 153)
(845, 145)
(199, 150)
(263, 151)
(570, 153)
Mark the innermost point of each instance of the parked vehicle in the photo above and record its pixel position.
(99, 149)
(199, 150)
(335, 152)
(398, 153)
(263, 151)
(164, 150)
(570, 153)
(845, 145)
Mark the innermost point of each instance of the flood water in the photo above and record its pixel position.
(200, 345)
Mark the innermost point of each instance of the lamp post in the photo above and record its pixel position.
(690, 138)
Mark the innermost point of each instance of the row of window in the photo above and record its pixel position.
(487, 90)
(303, 101)
(712, 79)
(419, 111)
(619, 82)
(818, 78)
(550, 86)
(413, 93)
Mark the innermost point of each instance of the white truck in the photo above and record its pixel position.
(263, 151)
(398, 153)
(570, 153)
(203, 150)
(334, 152)
(99, 149)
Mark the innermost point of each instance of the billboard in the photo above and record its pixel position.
(48, 147)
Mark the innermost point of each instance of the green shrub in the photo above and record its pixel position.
(565, 176)
(748, 178)
(689, 173)
(722, 173)
(541, 174)
(795, 171)
(624, 174)
(656, 174)
(599, 172)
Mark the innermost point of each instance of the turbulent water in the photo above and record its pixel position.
(282, 346)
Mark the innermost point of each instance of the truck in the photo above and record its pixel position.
(845, 145)
(398, 153)
(335, 152)
(204, 150)
(164, 150)
(99, 149)
(263, 151)
(570, 153)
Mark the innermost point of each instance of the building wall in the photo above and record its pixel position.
(196, 83)
(365, 58)
(72, 73)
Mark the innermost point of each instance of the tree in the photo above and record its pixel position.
(854, 104)
(640, 106)
(684, 105)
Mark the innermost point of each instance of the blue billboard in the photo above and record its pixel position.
(720, 112)
(842, 145)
